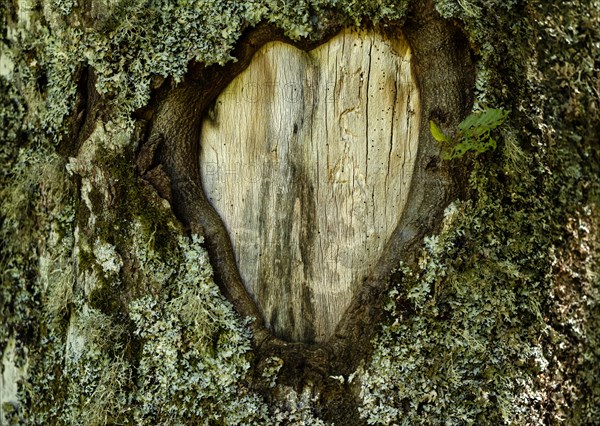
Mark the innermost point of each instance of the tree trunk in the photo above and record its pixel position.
(216, 213)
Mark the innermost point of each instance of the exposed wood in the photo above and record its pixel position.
(444, 73)
(308, 158)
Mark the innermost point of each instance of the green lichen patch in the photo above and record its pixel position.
(177, 353)
(37, 240)
(134, 291)
(194, 354)
(467, 341)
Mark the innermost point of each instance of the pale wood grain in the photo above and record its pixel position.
(308, 159)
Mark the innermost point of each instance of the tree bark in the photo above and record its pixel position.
(350, 274)
(176, 122)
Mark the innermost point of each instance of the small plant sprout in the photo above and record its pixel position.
(474, 133)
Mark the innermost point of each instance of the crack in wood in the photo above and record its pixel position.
(304, 245)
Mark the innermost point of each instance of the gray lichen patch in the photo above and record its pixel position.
(37, 267)
(194, 349)
(13, 371)
(470, 336)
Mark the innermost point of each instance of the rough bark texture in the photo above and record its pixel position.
(121, 301)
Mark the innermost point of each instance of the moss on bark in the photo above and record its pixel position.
(110, 315)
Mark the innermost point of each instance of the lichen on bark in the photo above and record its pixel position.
(109, 312)
(478, 332)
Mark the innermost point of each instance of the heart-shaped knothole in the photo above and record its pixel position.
(308, 158)
(304, 217)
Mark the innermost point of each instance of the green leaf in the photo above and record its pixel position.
(474, 133)
(490, 144)
(437, 133)
(480, 122)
